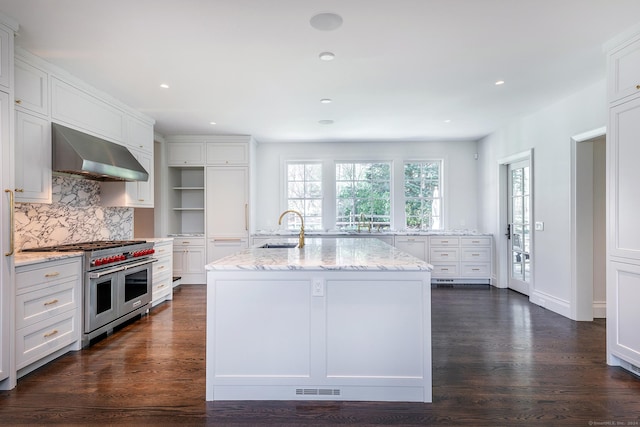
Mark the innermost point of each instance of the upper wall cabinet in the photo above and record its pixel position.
(184, 154)
(139, 135)
(31, 88)
(228, 153)
(83, 110)
(623, 78)
(6, 52)
(32, 158)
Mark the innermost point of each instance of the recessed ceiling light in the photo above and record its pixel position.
(326, 101)
(164, 86)
(327, 56)
(499, 82)
(212, 123)
(326, 21)
(325, 122)
(448, 121)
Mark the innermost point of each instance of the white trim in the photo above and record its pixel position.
(581, 296)
(502, 247)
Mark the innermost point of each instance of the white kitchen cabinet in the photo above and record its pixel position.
(85, 111)
(227, 209)
(136, 194)
(220, 247)
(7, 276)
(139, 135)
(32, 158)
(31, 88)
(461, 259)
(624, 63)
(186, 200)
(6, 56)
(623, 204)
(189, 259)
(48, 311)
(187, 153)
(418, 246)
(162, 272)
(228, 153)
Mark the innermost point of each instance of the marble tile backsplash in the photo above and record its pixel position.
(75, 215)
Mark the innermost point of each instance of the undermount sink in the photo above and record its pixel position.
(279, 245)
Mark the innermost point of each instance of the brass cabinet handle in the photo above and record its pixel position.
(18, 101)
(638, 87)
(11, 223)
(19, 190)
(54, 274)
(55, 331)
(51, 302)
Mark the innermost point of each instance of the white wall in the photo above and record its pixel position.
(460, 173)
(548, 132)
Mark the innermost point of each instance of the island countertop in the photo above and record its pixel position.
(323, 254)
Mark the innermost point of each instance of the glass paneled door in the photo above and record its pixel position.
(519, 226)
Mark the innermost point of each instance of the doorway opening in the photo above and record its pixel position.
(588, 233)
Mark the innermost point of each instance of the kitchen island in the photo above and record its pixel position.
(339, 319)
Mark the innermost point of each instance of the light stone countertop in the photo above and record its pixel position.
(323, 254)
(28, 258)
(338, 233)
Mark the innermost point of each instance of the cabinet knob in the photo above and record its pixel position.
(638, 87)
(18, 101)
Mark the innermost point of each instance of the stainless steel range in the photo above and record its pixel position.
(117, 282)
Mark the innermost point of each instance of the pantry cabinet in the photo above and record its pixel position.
(48, 311)
(623, 201)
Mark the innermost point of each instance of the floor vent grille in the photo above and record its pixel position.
(635, 369)
(317, 392)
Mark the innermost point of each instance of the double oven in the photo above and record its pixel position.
(117, 283)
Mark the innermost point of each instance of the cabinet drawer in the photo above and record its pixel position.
(163, 265)
(162, 285)
(476, 254)
(43, 338)
(46, 274)
(188, 241)
(475, 241)
(443, 254)
(473, 270)
(445, 270)
(444, 241)
(45, 303)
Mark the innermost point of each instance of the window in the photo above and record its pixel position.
(304, 194)
(423, 195)
(363, 195)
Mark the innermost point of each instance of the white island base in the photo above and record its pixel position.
(313, 334)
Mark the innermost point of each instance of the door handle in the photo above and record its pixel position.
(508, 234)
(11, 223)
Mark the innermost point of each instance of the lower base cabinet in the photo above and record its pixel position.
(162, 272)
(48, 311)
(189, 260)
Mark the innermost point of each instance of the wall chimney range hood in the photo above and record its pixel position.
(77, 153)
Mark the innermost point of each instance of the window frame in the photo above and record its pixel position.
(440, 198)
(293, 221)
(368, 219)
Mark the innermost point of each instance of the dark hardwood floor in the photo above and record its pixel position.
(497, 361)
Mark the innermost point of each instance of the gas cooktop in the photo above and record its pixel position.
(86, 246)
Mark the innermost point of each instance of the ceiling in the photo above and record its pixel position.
(403, 69)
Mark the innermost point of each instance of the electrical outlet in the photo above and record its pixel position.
(317, 288)
(539, 226)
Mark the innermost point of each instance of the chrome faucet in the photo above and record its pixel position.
(301, 238)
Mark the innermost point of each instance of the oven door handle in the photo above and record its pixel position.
(104, 273)
(138, 264)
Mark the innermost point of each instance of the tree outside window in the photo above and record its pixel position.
(363, 195)
(304, 194)
(423, 195)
